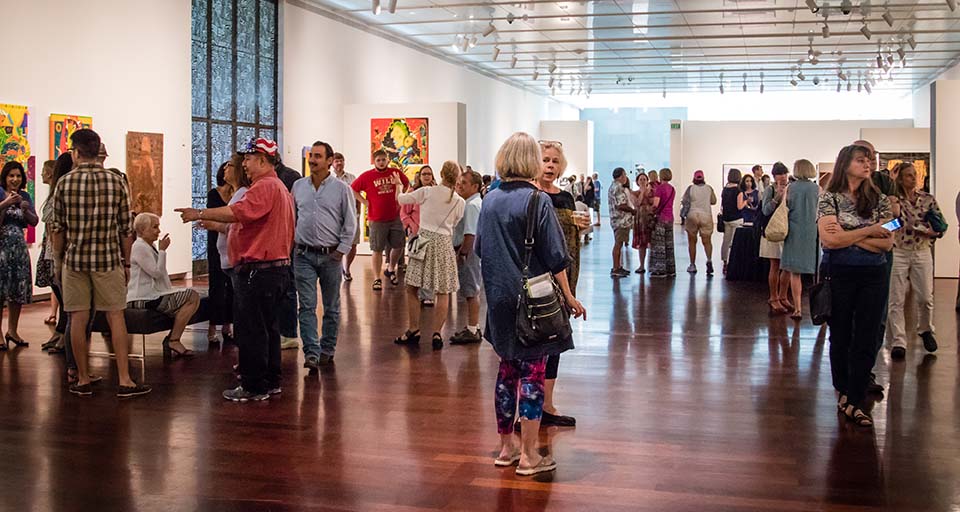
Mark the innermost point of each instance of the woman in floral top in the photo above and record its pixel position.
(850, 215)
(643, 221)
(912, 262)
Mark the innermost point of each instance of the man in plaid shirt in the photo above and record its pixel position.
(91, 240)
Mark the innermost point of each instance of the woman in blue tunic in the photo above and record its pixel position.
(800, 247)
(500, 234)
(17, 210)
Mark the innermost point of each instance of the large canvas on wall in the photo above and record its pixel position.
(62, 127)
(15, 145)
(145, 171)
(406, 140)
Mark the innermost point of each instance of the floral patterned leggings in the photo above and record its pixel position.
(527, 376)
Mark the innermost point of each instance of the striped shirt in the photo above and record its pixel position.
(92, 207)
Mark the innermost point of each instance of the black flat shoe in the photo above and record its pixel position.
(929, 342)
(437, 341)
(556, 420)
(898, 353)
(408, 338)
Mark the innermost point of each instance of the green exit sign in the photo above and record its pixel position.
(674, 126)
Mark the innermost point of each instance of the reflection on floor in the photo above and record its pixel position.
(688, 397)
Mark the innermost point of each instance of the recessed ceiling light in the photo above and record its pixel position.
(471, 16)
(412, 13)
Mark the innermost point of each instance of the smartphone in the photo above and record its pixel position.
(893, 225)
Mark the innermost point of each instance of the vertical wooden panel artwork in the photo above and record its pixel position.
(145, 171)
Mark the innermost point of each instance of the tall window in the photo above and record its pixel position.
(234, 89)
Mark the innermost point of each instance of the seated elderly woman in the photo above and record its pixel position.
(150, 287)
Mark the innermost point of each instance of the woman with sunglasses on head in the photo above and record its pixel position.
(410, 217)
(913, 261)
(851, 213)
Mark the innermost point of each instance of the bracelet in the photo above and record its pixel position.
(200, 214)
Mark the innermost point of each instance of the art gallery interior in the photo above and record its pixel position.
(688, 396)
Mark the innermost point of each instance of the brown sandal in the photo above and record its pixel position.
(776, 308)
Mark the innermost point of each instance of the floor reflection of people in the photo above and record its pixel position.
(854, 474)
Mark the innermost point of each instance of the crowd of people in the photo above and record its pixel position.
(274, 235)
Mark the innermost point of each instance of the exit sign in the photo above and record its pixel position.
(674, 126)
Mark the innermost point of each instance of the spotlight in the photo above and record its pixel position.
(800, 75)
(838, 86)
(465, 44)
(865, 30)
(879, 61)
(536, 75)
(487, 31)
(952, 4)
(912, 42)
(816, 80)
(867, 87)
(744, 82)
(865, 8)
(721, 88)
(849, 86)
(846, 7)
(793, 82)
(761, 82)
(473, 42)
(825, 30)
(496, 53)
(510, 18)
(375, 7)
(813, 6)
(553, 67)
(900, 53)
(552, 81)
(888, 18)
(859, 87)
(392, 6)
(513, 63)
(890, 59)
(841, 75)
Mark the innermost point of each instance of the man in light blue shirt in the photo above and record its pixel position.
(468, 263)
(326, 224)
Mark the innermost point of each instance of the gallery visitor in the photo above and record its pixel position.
(468, 263)
(376, 190)
(697, 202)
(220, 303)
(643, 218)
(621, 220)
(338, 165)
(730, 214)
(800, 248)
(778, 281)
(662, 258)
(16, 285)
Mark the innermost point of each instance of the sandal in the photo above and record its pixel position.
(50, 320)
(437, 342)
(545, 464)
(347, 277)
(856, 415)
(170, 352)
(72, 377)
(408, 338)
(842, 403)
(787, 304)
(776, 308)
(427, 303)
(377, 285)
(394, 278)
(796, 315)
(52, 342)
(503, 462)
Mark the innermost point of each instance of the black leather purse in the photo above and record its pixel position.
(821, 300)
(542, 313)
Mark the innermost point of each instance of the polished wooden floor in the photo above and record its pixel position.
(688, 398)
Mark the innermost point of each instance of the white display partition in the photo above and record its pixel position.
(945, 162)
(898, 140)
(446, 137)
(577, 140)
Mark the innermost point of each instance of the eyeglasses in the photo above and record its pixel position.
(550, 143)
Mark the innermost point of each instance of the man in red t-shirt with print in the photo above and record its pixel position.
(375, 189)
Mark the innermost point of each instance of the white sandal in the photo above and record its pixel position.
(545, 465)
(501, 462)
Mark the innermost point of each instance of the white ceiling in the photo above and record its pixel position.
(623, 46)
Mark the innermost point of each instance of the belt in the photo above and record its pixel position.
(318, 250)
(259, 265)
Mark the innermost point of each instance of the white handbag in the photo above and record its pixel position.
(779, 225)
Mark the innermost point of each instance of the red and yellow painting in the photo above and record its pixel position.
(406, 140)
(62, 127)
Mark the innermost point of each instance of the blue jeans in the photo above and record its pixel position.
(308, 269)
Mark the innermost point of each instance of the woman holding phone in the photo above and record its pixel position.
(16, 209)
(851, 213)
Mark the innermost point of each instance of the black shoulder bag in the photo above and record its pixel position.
(821, 302)
(542, 314)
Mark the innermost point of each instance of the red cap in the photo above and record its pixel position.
(260, 145)
(698, 175)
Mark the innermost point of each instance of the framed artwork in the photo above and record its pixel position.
(920, 161)
(62, 127)
(406, 140)
(15, 145)
(145, 171)
(744, 170)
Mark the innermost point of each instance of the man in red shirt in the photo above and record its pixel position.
(375, 189)
(260, 240)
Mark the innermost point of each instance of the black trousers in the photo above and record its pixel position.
(858, 301)
(257, 293)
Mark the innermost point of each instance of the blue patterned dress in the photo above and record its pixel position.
(15, 285)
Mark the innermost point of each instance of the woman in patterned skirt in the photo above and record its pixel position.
(662, 260)
(17, 210)
(434, 267)
(643, 202)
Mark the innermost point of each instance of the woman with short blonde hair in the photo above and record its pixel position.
(518, 158)
(799, 254)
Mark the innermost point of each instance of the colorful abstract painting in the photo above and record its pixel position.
(145, 171)
(14, 145)
(406, 140)
(920, 161)
(62, 127)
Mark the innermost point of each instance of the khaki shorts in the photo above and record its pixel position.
(621, 235)
(699, 222)
(386, 235)
(107, 289)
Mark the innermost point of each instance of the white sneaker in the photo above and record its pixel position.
(289, 343)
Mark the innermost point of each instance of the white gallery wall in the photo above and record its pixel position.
(329, 65)
(945, 161)
(128, 66)
(708, 145)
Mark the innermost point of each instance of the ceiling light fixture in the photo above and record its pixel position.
(813, 6)
(375, 7)
(849, 86)
(553, 67)
(473, 42)
(816, 80)
(761, 82)
(838, 86)
(912, 42)
(865, 30)
(888, 17)
(489, 30)
(868, 88)
(513, 62)
(392, 6)
(744, 82)
(901, 53)
(952, 4)
(551, 82)
(841, 75)
(721, 82)
(865, 8)
(793, 82)
(825, 30)
(496, 52)
(800, 75)
(536, 75)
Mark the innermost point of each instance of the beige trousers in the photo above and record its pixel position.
(913, 269)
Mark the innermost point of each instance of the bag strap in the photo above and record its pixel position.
(533, 207)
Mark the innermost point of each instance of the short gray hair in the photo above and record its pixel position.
(519, 157)
(143, 221)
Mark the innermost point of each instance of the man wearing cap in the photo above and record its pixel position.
(697, 202)
(260, 242)
(326, 221)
